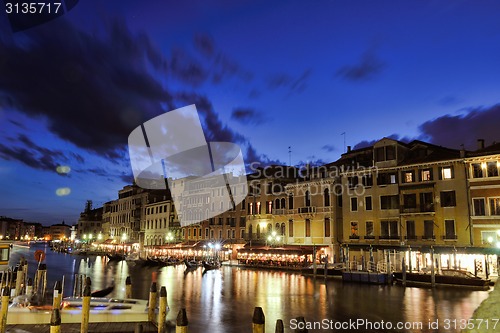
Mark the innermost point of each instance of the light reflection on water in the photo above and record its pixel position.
(223, 300)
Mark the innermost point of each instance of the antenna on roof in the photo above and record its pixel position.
(289, 155)
(343, 133)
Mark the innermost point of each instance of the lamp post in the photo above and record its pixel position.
(124, 238)
(273, 238)
(169, 238)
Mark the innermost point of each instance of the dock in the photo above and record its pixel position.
(129, 327)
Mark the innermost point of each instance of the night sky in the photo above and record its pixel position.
(263, 74)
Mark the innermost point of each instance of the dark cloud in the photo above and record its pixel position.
(248, 116)
(93, 90)
(204, 44)
(292, 84)
(186, 68)
(220, 65)
(453, 130)
(33, 155)
(329, 148)
(77, 157)
(18, 124)
(368, 67)
(369, 143)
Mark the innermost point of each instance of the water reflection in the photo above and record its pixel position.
(223, 300)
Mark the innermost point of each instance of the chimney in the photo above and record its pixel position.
(480, 144)
(348, 149)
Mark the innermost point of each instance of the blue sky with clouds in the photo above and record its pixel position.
(265, 75)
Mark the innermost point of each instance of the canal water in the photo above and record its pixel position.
(223, 300)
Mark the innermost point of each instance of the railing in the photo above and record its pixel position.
(307, 210)
(450, 237)
(423, 208)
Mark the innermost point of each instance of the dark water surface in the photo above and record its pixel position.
(223, 300)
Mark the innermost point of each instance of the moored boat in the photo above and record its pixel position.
(210, 265)
(191, 264)
(101, 310)
(116, 257)
(448, 277)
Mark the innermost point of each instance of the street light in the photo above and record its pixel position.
(273, 238)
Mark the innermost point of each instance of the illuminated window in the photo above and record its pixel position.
(369, 229)
(354, 228)
(408, 177)
(494, 206)
(426, 175)
(477, 170)
(446, 173)
(492, 169)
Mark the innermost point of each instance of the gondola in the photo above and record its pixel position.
(116, 257)
(211, 265)
(103, 292)
(191, 264)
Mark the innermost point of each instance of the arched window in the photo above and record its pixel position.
(283, 229)
(258, 231)
(277, 228)
(308, 228)
(326, 195)
(290, 201)
(277, 203)
(283, 203)
(250, 231)
(269, 228)
(290, 228)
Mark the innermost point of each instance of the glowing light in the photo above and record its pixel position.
(217, 246)
(490, 239)
(124, 237)
(498, 232)
(63, 169)
(269, 238)
(63, 191)
(273, 233)
(278, 238)
(99, 237)
(498, 245)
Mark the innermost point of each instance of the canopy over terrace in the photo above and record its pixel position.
(289, 256)
(189, 249)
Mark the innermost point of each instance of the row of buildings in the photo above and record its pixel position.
(20, 230)
(389, 196)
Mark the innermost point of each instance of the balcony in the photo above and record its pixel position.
(423, 208)
(307, 212)
(389, 237)
(450, 237)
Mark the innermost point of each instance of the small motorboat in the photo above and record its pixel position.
(101, 310)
